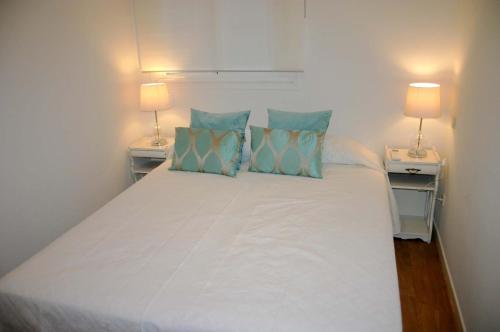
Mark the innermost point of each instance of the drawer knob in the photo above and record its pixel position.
(413, 170)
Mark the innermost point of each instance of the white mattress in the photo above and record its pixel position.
(198, 252)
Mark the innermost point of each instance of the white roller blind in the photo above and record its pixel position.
(220, 34)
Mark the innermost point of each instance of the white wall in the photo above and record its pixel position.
(359, 57)
(68, 109)
(470, 226)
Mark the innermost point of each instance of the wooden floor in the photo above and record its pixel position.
(426, 301)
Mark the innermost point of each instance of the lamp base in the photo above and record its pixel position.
(417, 153)
(158, 142)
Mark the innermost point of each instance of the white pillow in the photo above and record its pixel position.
(342, 150)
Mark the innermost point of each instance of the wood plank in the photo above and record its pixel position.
(426, 301)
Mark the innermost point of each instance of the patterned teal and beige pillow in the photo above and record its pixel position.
(206, 151)
(290, 152)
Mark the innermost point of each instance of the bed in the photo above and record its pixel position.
(182, 251)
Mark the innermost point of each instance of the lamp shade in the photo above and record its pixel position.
(154, 97)
(423, 100)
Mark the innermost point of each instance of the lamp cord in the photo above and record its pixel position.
(158, 128)
(419, 134)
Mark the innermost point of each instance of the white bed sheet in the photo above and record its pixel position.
(185, 251)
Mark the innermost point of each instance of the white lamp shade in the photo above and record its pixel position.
(423, 100)
(154, 97)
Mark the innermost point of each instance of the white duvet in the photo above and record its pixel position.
(194, 252)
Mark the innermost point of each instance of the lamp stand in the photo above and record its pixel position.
(158, 141)
(418, 151)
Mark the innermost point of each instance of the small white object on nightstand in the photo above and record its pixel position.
(145, 157)
(395, 155)
(415, 182)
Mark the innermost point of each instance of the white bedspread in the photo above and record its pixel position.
(198, 252)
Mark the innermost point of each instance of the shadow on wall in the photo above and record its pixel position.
(469, 225)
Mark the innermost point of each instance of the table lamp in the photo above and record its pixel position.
(422, 101)
(154, 98)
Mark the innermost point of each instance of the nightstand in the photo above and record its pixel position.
(415, 182)
(145, 157)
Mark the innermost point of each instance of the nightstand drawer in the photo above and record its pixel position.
(406, 168)
(148, 153)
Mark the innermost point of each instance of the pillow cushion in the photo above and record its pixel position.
(290, 152)
(206, 150)
(343, 150)
(222, 121)
(299, 121)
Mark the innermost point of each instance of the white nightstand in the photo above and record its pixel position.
(145, 157)
(415, 182)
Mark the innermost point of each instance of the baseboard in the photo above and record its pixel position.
(449, 281)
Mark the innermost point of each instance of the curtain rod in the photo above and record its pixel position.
(223, 71)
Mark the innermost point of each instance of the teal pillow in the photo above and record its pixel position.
(290, 152)
(299, 121)
(206, 151)
(222, 121)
